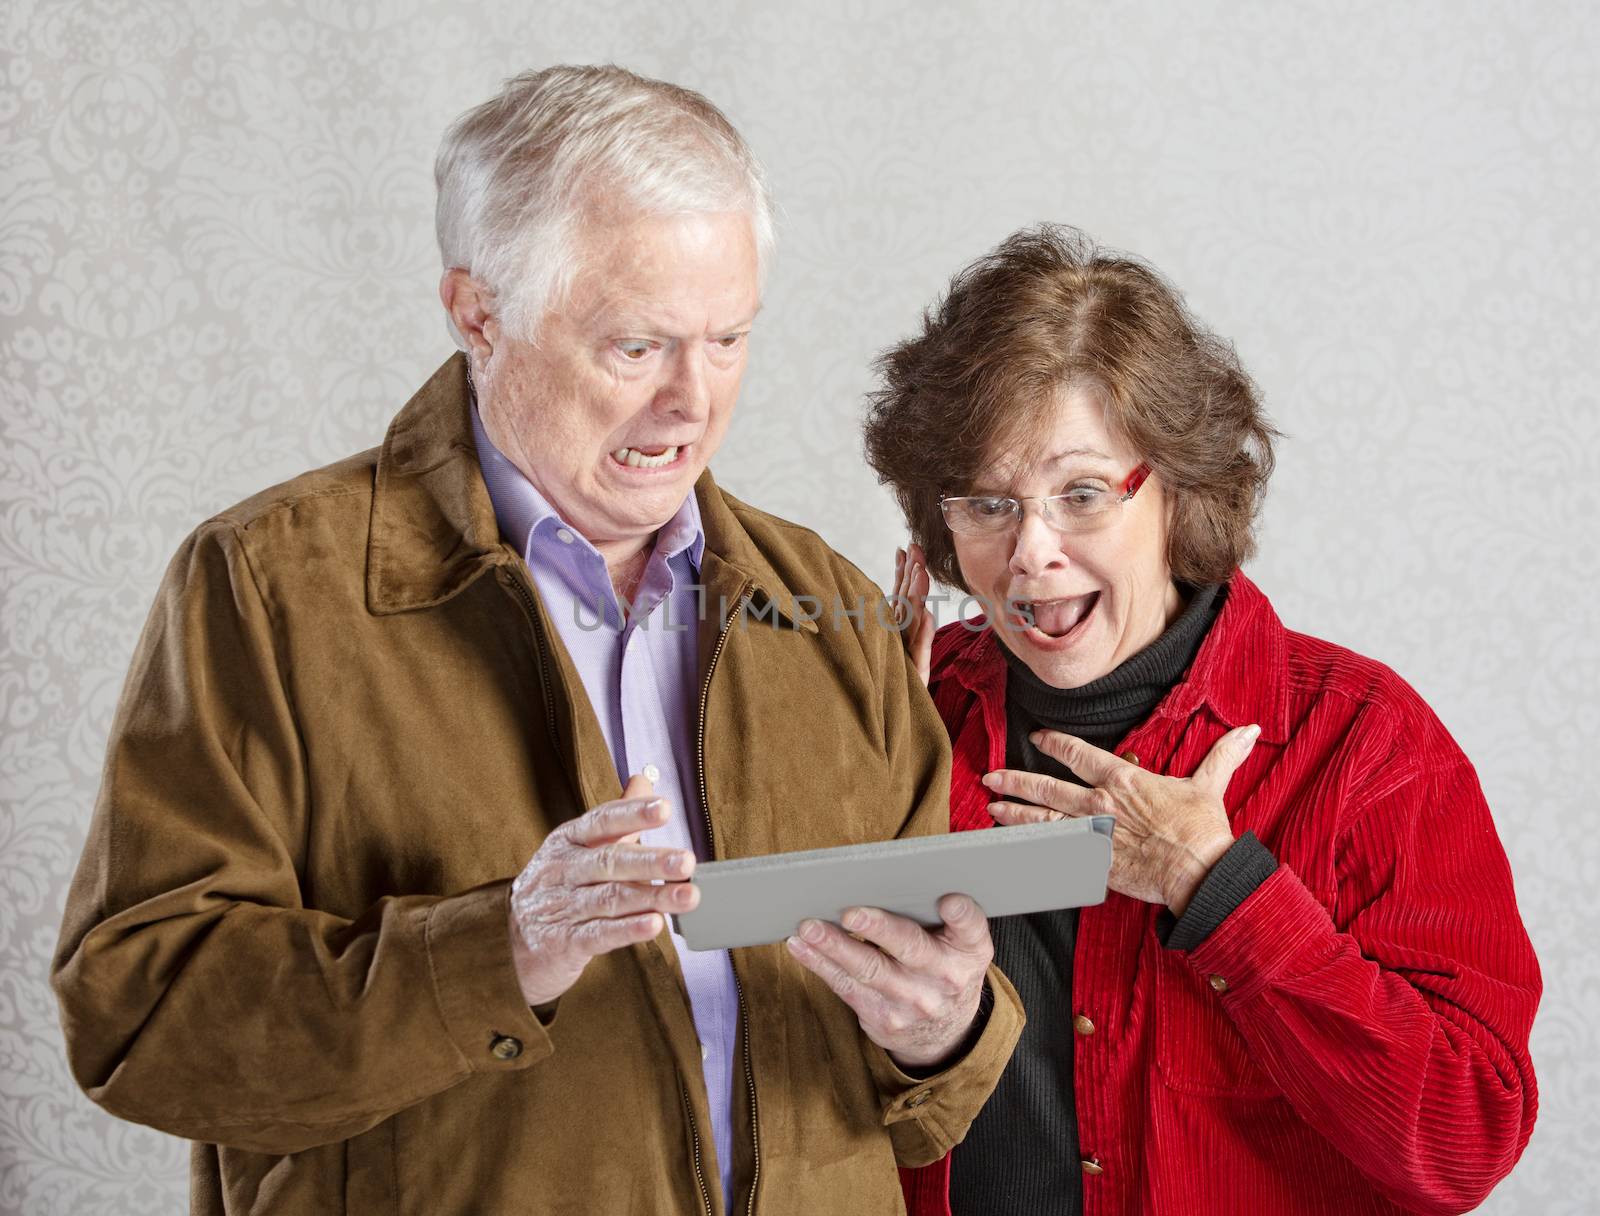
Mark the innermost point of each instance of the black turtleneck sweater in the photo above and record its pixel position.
(1021, 1155)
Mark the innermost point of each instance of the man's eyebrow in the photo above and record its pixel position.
(628, 319)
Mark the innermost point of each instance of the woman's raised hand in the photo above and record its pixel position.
(910, 602)
(1170, 830)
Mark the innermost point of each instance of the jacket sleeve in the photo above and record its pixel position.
(927, 1116)
(198, 993)
(1397, 1026)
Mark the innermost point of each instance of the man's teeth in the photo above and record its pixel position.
(634, 458)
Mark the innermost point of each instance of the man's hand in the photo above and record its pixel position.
(589, 890)
(1170, 830)
(915, 993)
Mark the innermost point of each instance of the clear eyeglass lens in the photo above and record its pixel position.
(1068, 512)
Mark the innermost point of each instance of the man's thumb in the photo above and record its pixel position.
(643, 783)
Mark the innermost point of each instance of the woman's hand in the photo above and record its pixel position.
(910, 601)
(1170, 830)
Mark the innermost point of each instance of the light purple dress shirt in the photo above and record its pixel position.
(642, 679)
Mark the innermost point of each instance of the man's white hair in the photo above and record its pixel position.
(515, 174)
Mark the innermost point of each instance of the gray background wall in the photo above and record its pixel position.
(217, 269)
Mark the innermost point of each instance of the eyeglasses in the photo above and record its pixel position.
(1083, 508)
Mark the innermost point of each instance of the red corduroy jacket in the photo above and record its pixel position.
(1353, 1039)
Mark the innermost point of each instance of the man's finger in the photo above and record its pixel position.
(867, 965)
(604, 935)
(641, 785)
(1223, 760)
(614, 900)
(625, 862)
(966, 928)
(903, 940)
(866, 1002)
(613, 821)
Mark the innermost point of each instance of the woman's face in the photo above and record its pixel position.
(1095, 598)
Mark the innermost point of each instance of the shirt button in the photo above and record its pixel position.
(1092, 1166)
(918, 1098)
(564, 536)
(504, 1047)
(1218, 984)
(1083, 1025)
(705, 1052)
(1132, 758)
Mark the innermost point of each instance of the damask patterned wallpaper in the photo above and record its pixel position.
(217, 269)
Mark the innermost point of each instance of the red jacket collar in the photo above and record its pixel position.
(1239, 672)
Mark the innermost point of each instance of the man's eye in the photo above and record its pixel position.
(634, 351)
(728, 341)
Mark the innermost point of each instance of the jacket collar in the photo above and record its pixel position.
(433, 528)
(1240, 671)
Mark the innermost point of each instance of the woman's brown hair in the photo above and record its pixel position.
(1049, 311)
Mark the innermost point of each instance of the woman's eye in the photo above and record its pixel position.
(990, 506)
(1079, 497)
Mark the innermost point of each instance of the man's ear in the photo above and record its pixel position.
(469, 304)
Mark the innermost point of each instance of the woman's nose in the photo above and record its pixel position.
(1037, 546)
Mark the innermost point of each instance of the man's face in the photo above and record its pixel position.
(626, 391)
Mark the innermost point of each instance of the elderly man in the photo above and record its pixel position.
(366, 910)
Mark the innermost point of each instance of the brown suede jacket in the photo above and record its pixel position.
(347, 726)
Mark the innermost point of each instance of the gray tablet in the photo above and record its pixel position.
(1029, 868)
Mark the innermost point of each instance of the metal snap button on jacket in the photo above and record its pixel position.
(505, 1047)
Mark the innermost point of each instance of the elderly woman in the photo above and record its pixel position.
(1309, 989)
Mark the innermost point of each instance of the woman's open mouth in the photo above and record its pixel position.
(1055, 624)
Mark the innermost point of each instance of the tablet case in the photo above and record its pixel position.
(752, 901)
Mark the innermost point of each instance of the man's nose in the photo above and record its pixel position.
(1037, 546)
(687, 391)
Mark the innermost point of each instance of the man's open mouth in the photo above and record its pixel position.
(657, 457)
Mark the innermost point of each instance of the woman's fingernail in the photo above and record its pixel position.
(992, 780)
(1252, 733)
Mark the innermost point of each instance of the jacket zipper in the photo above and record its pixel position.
(711, 846)
(694, 1137)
